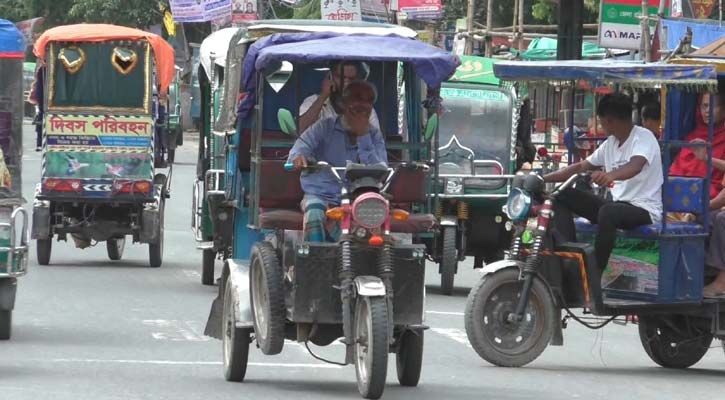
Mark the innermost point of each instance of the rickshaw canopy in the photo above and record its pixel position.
(12, 43)
(431, 64)
(712, 54)
(217, 43)
(603, 72)
(163, 52)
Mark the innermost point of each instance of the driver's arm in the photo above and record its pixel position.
(307, 144)
(371, 148)
(566, 173)
(310, 111)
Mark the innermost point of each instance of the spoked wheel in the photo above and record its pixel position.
(371, 345)
(43, 248)
(114, 248)
(156, 250)
(235, 342)
(671, 342)
(207, 267)
(449, 260)
(267, 297)
(6, 322)
(495, 338)
(409, 359)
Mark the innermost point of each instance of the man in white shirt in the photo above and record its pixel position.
(630, 164)
(328, 103)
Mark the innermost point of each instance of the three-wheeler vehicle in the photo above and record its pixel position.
(174, 123)
(103, 174)
(219, 74)
(366, 288)
(13, 218)
(475, 161)
(656, 272)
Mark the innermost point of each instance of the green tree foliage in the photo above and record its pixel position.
(546, 10)
(133, 13)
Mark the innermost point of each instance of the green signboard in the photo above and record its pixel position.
(475, 70)
(620, 25)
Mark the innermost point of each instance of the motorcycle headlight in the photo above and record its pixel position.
(370, 211)
(454, 186)
(518, 205)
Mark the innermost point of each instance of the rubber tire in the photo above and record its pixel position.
(657, 350)
(156, 250)
(171, 155)
(474, 319)
(378, 325)
(409, 358)
(207, 267)
(264, 259)
(114, 248)
(449, 260)
(236, 341)
(6, 324)
(43, 248)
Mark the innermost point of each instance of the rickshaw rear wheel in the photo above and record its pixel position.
(371, 345)
(114, 248)
(449, 260)
(670, 347)
(171, 155)
(207, 267)
(235, 342)
(156, 250)
(6, 322)
(267, 298)
(492, 335)
(43, 249)
(409, 358)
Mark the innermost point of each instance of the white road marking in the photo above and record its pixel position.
(172, 362)
(191, 274)
(454, 334)
(460, 314)
(177, 331)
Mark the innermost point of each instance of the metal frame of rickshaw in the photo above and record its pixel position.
(669, 301)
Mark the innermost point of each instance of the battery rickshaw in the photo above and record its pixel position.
(104, 175)
(655, 273)
(219, 74)
(367, 288)
(475, 161)
(13, 218)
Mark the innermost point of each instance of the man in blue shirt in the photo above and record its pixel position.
(337, 140)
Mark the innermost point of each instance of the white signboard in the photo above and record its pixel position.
(200, 10)
(374, 7)
(341, 10)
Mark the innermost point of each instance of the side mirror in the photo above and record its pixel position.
(431, 127)
(286, 122)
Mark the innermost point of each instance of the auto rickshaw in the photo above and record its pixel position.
(656, 272)
(220, 58)
(475, 161)
(104, 174)
(277, 286)
(174, 120)
(13, 218)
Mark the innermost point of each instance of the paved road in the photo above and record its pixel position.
(88, 328)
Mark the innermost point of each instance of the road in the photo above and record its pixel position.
(89, 328)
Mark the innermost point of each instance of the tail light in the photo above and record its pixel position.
(131, 187)
(62, 185)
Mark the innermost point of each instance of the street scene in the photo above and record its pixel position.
(358, 199)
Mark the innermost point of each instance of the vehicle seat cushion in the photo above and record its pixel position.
(408, 185)
(290, 220)
(645, 231)
(278, 187)
(416, 223)
(684, 194)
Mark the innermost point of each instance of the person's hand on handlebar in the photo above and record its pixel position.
(602, 179)
(299, 162)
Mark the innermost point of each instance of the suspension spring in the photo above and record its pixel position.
(345, 272)
(439, 210)
(515, 251)
(533, 260)
(463, 210)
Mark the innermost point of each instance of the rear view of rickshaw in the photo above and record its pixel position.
(655, 271)
(475, 159)
(13, 218)
(365, 288)
(103, 175)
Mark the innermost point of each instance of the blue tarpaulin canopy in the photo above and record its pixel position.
(603, 72)
(431, 64)
(703, 32)
(12, 43)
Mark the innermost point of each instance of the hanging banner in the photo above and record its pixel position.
(619, 26)
(420, 10)
(341, 10)
(374, 7)
(702, 8)
(200, 10)
(244, 10)
(27, 27)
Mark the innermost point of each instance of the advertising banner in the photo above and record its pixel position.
(341, 10)
(421, 10)
(200, 10)
(244, 10)
(619, 25)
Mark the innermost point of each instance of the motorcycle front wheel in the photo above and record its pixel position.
(371, 345)
(496, 339)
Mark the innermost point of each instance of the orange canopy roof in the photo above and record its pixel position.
(163, 52)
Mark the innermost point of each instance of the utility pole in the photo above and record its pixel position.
(521, 25)
(489, 22)
(570, 30)
(469, 26)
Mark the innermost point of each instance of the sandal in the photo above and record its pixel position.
(713, 293)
